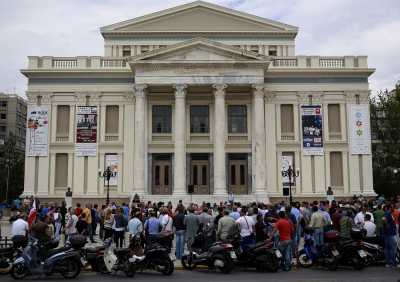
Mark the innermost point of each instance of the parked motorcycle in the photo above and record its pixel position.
(118, 259)
(41, 258)
(327, 256)
(155, 255)
(214, 255)
(351, 251)
(8, 251)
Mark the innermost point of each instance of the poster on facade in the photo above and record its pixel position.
(112, 162)
(37, 131)
(359, 130)
(287, 160)
(86, 131)
(311, 118)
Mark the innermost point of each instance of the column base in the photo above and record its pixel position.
(261, 196)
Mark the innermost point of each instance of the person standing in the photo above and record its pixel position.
(108, 223)
(192, 224)
(86, 216)
(206, 220)
(246, 226)
(285, 229)
(390, 236)
(317, 223)
(346, 223)
(19, 227)
(226, 227)
(57, 223)
(119, 227)
(70, 225)
(378, 217)
(135, 226)
(180, 230)
(152, 225)
(370, 227)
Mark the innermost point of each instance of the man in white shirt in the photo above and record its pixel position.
(246, 226)
(369, 226)
(135, 226)
(19, 227)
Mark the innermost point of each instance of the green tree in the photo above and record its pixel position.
(385, 125)
(11, 170)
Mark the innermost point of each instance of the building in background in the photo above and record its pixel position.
(198, 96)
(13, 119)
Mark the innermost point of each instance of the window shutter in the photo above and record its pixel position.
(61, 177)
(112, 119)
(336, 169)
(334, 119)
(62, 120)
(287, 119)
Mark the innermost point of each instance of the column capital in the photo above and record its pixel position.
(180, 90)
(219, 89)
(258, 90)
(140, 90)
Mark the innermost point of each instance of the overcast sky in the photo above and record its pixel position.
(326, 27)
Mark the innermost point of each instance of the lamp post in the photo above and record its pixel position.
(107, 175)
(291, 174)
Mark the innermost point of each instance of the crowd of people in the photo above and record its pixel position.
(255, 222)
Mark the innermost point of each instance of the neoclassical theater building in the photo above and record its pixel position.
(198, 98)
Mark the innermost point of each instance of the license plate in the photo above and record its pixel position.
(233, 255)
(362, 253)
(278, 254)
(335, 253)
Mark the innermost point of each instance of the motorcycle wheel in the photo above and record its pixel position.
(19, 271)
(333, 265)
(305, 261)
(73, 269)
(358, 264)
(130, 270)
(187, 262)
(268, 262)
(101, 266)
(228, 265)
(167, 265)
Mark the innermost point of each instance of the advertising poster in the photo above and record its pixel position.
(287, 160)
(311, 119)
(37, 131)
(112, 162)
(86, 131)
(359, 130)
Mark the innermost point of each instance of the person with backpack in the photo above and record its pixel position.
(119, 227)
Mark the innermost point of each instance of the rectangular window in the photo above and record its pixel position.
(126, 51)
(199, 119)
(237, 119)
(62, 120)
(2, 129)
(61, 176)
(112, 119)
(272, 51)
(161, 118)
(3, 116)
(334, 121)
(336, 169)
(287, 119)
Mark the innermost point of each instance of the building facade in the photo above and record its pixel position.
(13, 119)
(203, 99)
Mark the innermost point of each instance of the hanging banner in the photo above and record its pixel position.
(37, 131)
(86, 131)
(359, 130)
(311, 118)
(112, 162)
(287, 160)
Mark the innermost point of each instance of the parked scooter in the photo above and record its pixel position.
(8, 251)
(327, 257)
(203, 251)
(118, 259)
(351, 251)
(41, 258)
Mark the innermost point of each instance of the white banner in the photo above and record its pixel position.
(37, 131)
(112, 161)
(287, 160)
(86, 131)
(359, 130)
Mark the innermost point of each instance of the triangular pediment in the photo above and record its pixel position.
(199, 16)
(199, 50)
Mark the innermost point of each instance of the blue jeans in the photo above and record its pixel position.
(318, 237)
(246, 241)
(390, 249)
(285, 247)
(180, 243)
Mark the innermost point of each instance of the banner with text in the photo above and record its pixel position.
(37, 131)
(112, 161)
(311, 118)
(86, 131)
(359, 130)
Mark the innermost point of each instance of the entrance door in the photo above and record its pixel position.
(200, 177)
(238, 176)
(162, 177)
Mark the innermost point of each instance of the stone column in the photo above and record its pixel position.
(259, 142)
(140, 138)
(180, 140)
(219, 140)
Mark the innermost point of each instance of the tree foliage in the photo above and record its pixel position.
(11, 170)
(385, 125)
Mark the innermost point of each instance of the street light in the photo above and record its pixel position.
(291, 174)
(107, 175)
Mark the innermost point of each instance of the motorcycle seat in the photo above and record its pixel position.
(52, 252)
(94, 249)
(121, 251)
(255, 246)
